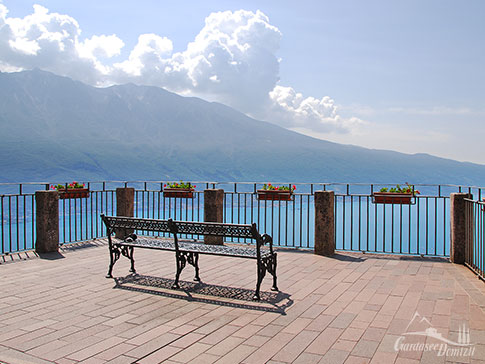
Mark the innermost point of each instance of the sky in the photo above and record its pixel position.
(400, 75)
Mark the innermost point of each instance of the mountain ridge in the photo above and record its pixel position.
(56, 128)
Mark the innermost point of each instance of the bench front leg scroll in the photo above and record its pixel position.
(261, 274)
(270, 263)
(115, 251)
(181, 261)
(193, 259)
(114, 255)
(127, 251)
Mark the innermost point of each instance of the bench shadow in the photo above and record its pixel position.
(150, 284)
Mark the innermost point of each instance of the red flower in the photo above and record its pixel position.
(165, 185)
(294, 187)
(194, 186)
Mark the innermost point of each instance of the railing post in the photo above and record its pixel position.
(458, 227)
(125, 206)
(324, 223)
(46, 221)
(214, 212)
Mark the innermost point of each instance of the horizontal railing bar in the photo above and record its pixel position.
(251, 183)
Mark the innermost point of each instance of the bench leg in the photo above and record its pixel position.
(180, 261)
(271, 265)
(261, 274)
(193, 259)
(114, 255)
(127, 251)
(132, 259)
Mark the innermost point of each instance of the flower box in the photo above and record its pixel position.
(393, 198)
(275, 195)
(178, 192)
(73, 193)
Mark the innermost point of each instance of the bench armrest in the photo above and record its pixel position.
(268, 239)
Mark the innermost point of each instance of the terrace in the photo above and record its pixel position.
(351, 307)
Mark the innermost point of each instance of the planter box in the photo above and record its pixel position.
(393, 198)
(275, 195)
(73, 193)
(178, 192)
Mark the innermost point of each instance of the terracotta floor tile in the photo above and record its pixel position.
(356, 360)
(329, 309)
(365, 348)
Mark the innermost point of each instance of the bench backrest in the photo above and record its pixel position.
(130, 223)
(182, 227)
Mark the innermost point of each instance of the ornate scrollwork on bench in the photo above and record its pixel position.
(187, 251)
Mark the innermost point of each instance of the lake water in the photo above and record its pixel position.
(361, 225)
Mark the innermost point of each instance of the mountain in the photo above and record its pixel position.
(57, 129)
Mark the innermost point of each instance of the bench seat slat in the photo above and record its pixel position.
(196, 247)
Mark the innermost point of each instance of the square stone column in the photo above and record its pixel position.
(46, 221)
(214, 212)
(459, 226)
(125, 206)
(324, 223)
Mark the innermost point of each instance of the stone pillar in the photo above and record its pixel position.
(324, 223)
(125, 206)
(46, 221)
(458, 227)
(214, 212)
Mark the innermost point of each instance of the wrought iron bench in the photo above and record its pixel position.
(186, 250)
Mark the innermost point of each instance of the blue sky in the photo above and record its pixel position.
(400, 75)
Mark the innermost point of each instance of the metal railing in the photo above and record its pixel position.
(418, 228)
(79, 217)
(361, 225)
(18, 220)
(475, 236)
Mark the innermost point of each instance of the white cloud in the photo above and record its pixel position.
(147, 56)
(103, 46)
(292, 110)
(44, 40)
(232, 60)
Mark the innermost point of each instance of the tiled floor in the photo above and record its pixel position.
(350, 308)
